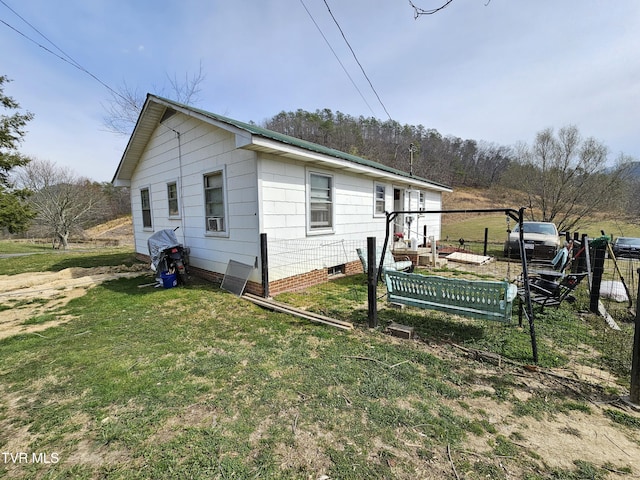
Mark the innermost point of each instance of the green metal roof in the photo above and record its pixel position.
(296, 142)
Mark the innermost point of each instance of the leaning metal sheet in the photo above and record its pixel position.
(235, 278)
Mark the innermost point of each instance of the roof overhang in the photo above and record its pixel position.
(156, 109)
(266, 145)
(148, 121)
(251, 137)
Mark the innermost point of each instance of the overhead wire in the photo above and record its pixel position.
(337, 58)
(358, 61)
(66, 58)
(396, 127)
(72, 61)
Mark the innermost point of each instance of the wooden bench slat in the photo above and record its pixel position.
(484, 299)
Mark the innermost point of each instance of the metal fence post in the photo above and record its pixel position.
(372, 282)
(486, 241)
(634, 392)
(600, 249)
(264, 265)
(581, 264)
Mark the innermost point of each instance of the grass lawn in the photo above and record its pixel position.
(10, 247)
(472, 229)
(55, 260)
(197, 383)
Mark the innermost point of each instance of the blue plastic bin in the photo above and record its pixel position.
(169, 280)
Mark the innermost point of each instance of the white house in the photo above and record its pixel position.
(229, 186)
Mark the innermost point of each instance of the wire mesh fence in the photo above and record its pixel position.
(299, 263)
(569, 336)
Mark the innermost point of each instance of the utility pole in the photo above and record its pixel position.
(634, 394)
(412, 148)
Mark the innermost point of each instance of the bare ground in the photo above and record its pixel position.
(32, 294)
(119, 229)
(556, 441)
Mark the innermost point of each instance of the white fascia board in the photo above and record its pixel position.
(308, 155)
(243, 139)
(204, 118)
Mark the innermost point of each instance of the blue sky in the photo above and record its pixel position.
(498, 71)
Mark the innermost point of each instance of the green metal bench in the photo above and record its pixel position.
(484, 299)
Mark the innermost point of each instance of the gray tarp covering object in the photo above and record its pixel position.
(160, 241)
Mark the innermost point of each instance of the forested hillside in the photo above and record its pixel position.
(562, 177)
(445, 159)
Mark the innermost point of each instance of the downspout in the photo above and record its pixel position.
(180, 190)
(181, 193)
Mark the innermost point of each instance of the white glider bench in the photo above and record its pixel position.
(390, 264)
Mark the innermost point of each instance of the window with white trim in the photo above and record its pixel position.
(172, 199)
(320, 201)
(214, 202)
(145, 202)
(380, 194)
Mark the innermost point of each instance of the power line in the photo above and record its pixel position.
(337, 58)
(66, 58)
(358, 61)
(72, 61)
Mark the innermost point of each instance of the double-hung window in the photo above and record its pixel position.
(380, 194)
(145, 202)
(214, 202)
(320, 202)
(172, 199)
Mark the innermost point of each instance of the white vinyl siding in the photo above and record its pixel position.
(261, 193)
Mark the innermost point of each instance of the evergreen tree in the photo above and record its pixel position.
(15, 214)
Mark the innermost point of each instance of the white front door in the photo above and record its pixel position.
(398, 206)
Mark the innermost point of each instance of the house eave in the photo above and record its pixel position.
(266, 145)
(251, 137)
(148, 121)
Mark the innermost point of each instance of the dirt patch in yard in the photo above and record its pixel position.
(28, 295)
(119, 230)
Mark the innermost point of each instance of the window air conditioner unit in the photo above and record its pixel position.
(215, 224)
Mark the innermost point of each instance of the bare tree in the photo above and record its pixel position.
(125, 104)
(63, 201)
(565, 177)
(419, 11)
